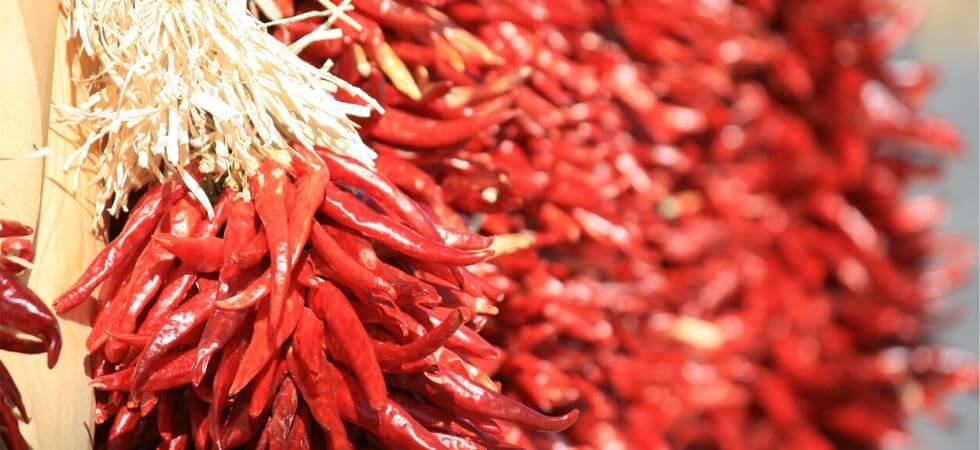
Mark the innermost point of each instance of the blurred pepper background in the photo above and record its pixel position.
(948, 39)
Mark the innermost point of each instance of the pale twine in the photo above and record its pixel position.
(199, 82)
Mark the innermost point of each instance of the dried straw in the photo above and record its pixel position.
(200, 82)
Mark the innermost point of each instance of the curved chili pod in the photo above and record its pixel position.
(204, 254)
(9, 431)
(10, 394)
(392, 424)
(350, 212)
(345, 269)
(400, 128)
(393, 355)
(14, 228)
(356, 174)
(455, 391)
(305, 363)
(345, 328)
(139, 226)
(172, 333)
(23, 311)
(268, 186)
(20, 248)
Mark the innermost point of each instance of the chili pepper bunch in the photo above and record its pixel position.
(328, 308)
(26, 325)
(699, 224)
(722, 254)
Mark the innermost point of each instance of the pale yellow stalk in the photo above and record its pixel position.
(198, 83)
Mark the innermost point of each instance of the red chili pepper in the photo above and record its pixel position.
(173, 292)
(267, 337)
(12, 341)
(393, 355)
(142, 220)
(465, 340)
(283, 412)
(299, 433)
(149, 273)
(266, 382)
(123, 432)
(224, 323)
(305, 362)
(240, 232)
(309, 194)
(399, 128)
(14, 228)
(394, 14)
(352, 341)
(345, 269)
(258, 289)
(413, 53)
(9, 393)
(174, 332)
(200, 422)
(251, 254)
(354, 173)
(9, 431)
(177, 443)
(464, 240)
(455, 391)
(268, 187)
(350, 212)
(21, 310)
(228, 364)
(184, 218)
(105, 410)
(410, 290)
(203, 254)
(407, 176)
(452, 441)
(173, 371)
(392, 424)
(436, 418)
(168, 423)
(21, 248)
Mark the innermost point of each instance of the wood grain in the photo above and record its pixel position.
(27, 31)
(60, 401)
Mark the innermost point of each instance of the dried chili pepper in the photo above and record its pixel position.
(10, 228)
(663, 174)
(664, 181)
(142, 220)
(200, 291)
(26, 326)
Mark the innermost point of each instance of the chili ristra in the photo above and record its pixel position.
(718, 251)
(698, 226)
(196, 315)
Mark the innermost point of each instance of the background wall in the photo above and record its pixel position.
(949, 40)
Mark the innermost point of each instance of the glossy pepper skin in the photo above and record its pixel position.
(142, 220)
(26, 326)
(647, 129)
(693, 217)
(253, 364)
(10, 228)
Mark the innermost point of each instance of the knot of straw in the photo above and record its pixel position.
(184, 82)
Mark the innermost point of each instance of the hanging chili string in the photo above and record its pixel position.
(699, 230)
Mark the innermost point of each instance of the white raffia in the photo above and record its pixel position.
(198, 81)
